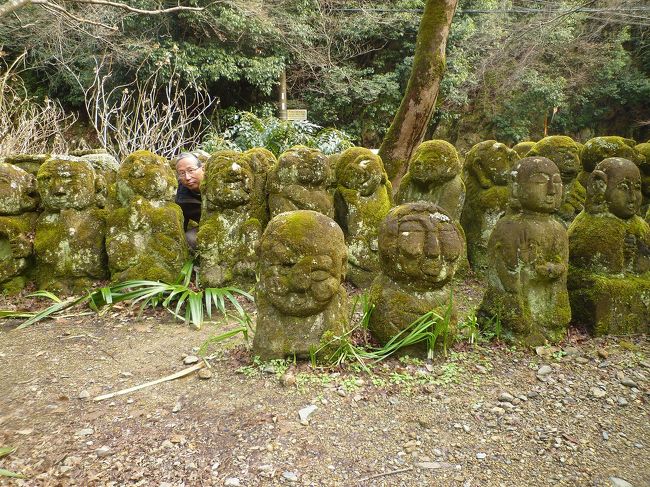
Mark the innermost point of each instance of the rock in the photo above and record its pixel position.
(622, 401)
(191, 359)
(288, 379)
(618, 482)
(205, 374)
(232, 482)
(305, 412)
(582, 360)
(167, 444)
(85, 432)
(433, 465)
(497, 410)
(506, 397)
(481, 456)
(544, 370)
(602, 353)
(532, 394)
(26, 431)
(103, 451)
(290, 476)
(645, 364)
(605, 435)
(84, 394)
(627, 382)
(597, 392)
(177, 407)
(177, 439)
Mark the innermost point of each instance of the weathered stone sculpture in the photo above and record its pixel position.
(522, 148)
(434, 175)
(102, 162)
(420, 247)
(261, 161)
(145, 238)
(69, 240)
(528, 256)
(301, 303)
(18, 201)
(644, 167)
(27, 162)
(565, 153)
(230, 226)
(599, 148)
(609, 248)
(363, 198)
(487, 171)
(301, 180)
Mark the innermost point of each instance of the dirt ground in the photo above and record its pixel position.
(486, 415)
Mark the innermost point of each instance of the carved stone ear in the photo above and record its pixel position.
(596, 188)
(100, 190)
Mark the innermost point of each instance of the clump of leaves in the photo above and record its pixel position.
(182, 299)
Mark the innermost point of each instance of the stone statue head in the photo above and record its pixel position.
(228, 182)
(615, 186)
(563, 151)
(303, 165)
(360, 170)
(261, 160)
(599, 148)
(420, 244)
(490, 162)
(66, 182)
(145, 174)
(644, 167)
(522, 148)
(302, 262)
(17, 190)
(536, 185)
(434, 161)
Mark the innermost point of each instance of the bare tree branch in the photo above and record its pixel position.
(12, 5)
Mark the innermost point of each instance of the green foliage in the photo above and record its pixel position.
(183, 300)
(4, 451)
(247, 131)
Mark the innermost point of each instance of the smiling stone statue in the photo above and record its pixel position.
(420, 247)
(69, 240)
(528, 259)
(609, 278)
(300, 298)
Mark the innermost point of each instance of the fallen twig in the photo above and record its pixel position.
(385, 474)
(177, 375)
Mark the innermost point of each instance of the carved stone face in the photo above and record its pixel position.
(302, 262)
(303, 165)
(420, 244)
(434, 161)
(492, 161)
(228, 184)
(66, 184)
(364, 174)
(145, 174)
(538, 185)
(17, 188)
(563, 151)
(623, 193)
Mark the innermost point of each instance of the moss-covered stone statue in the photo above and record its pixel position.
(565, 153)
(18, 200)
(609, 248)
(145, 238)
(528, 256)
(301, 180)
(230, 226)
(434, 175)
(487, 172)
(261, 161)
(420, 247)
(363, 198)
(644, 167)
(103, 163)
(522, 148)
(599, 148)
(27, 162)
(69, 239)
(301, 303)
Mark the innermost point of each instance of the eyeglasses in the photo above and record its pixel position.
(184, 174)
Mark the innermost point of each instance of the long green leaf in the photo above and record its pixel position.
(51, 310)
(7, 450)
(13, 475)
(45, 294)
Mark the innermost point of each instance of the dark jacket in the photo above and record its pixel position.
(190, 203)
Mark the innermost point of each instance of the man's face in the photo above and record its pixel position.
(623, 192)
(189, 173)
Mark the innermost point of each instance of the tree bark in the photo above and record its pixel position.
(11, 5)
(410, 123)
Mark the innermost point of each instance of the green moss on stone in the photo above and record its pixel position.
(522, 148)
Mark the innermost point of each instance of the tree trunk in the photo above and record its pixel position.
(410, 123)
(11, 5)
